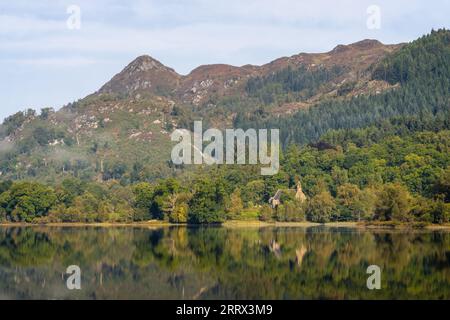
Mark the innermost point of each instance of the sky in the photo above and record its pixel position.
(53, 52)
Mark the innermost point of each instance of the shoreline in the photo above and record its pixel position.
(154, 224)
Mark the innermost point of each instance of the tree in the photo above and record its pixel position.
(266, 213)
(43, 135)
(5, 186)
(295, 211)
(321, 207)
(26, 201)
(69, 189)
(235, 205)
(440, 211)
(320, 187)
(15, 121)
(353, 203)
(163, 201)
(442, 186)
(46, 112)
(280, 213)
(3, 214)
(179, 214)
(253, 193)
(365, 204)
(143, 193)
(394, 203)
(208, 202)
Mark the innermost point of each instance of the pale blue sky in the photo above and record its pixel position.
(44, 63)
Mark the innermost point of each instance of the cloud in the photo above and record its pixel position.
(183, 34)
(55, 62)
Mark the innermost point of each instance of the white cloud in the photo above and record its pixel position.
(55, 62)
(17, 26)
(184, 34)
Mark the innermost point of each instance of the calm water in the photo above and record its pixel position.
(221, 263)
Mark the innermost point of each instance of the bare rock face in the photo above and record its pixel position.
(217, 79)
(144, 74)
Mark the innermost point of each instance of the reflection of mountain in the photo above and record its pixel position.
(218, 263)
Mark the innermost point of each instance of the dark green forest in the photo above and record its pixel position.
(420, 103)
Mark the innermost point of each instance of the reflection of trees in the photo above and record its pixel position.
(23, 247)
(209, 262)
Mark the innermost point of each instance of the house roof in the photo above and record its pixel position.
(277, 195)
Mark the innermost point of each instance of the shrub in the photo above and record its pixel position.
(266, 213)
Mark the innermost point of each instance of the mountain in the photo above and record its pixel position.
(122, 130)
(143, 74)
(147, 75)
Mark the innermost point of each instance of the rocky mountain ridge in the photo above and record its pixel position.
(147, 75)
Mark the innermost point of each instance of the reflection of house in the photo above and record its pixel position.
(275, 248)
(275, 201)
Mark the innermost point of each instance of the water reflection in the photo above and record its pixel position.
(221, 263)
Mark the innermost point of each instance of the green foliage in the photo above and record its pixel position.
(164, 199)
(422, 98)
(355, 204)
(303, 82)
(14, 122)
(431, 210)
(144, 194)
(26, 201)
(208, 202)
(95, 203)
(46, 112)
(69, 189)
(253, 192)
(442, 185)
(179, 214)
(290, 211)
(420, 60)
(235, 205)
(44, 135)
(321, 207)
(395, 179)
(394, 203)
(5, 186)
(266, 213)
(380, 157)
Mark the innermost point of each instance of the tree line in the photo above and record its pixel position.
(397, 179)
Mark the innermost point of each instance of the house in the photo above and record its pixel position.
(299, 195)
(275, 201)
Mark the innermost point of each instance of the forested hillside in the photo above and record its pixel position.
(367, 138)
(421, 102)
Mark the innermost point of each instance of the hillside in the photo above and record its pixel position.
(122, 130)
(364, 127)
(209, 82)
